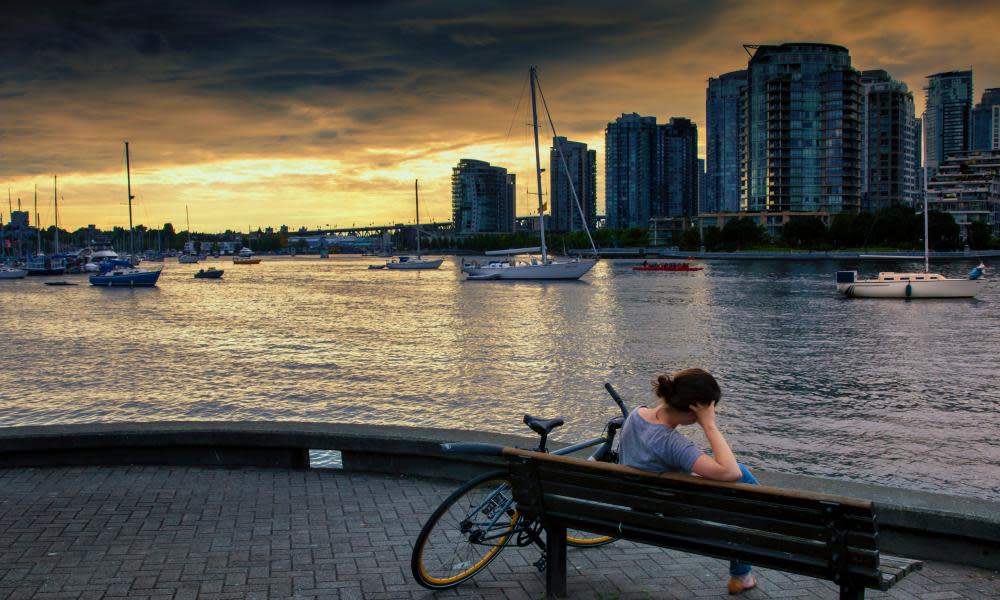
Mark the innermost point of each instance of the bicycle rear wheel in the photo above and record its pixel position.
(465, 533)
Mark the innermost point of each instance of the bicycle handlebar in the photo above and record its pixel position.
(618, 399)
(472, 448)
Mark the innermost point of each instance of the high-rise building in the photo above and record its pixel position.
(483, 198)
(967, 186)
(702, 184)
(630, 178)
(676, 169)
(947, 116)
(581, 169)
(889, 145)
(802, 130)
(724, 122)
(986, 121)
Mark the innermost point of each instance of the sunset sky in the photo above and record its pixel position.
(259, 113)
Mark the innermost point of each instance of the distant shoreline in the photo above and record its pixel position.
(656, 253)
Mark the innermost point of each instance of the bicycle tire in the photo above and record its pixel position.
(425, 574)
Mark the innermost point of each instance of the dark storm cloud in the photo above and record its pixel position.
(380, 83)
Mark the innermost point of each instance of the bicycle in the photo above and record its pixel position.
(478, 520)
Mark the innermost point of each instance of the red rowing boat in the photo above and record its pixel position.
(673, 267)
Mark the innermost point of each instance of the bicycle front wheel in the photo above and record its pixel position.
(465, 533)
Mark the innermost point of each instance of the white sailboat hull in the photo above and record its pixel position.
(415, 264)
(13, 273)
(574, 269)
(938, 288)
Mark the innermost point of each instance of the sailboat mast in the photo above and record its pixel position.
(416, 194)
(128, 180)
(927, 255)
(38, 226)
(538, 168)
(55, 200)
(187, 216)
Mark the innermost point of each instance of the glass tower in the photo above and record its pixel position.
(582, 166)
(630, 147)
(890, 151)
(802, 130)
(947, 116)
(723, 120)
(482, 198)
(677, 169)
(986, 121)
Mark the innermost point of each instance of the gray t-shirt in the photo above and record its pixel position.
(654, 447)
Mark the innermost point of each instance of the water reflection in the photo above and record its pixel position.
(890, 392)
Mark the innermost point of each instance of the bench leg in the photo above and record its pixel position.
(849, 592)
(555, 560)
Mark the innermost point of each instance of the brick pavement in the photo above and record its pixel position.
(185, 532)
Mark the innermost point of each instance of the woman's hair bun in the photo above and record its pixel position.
(664, 386)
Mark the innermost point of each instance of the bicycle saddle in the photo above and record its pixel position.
(542, 426)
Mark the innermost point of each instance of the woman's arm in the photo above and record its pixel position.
(721, 466)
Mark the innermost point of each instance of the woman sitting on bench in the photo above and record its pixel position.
(650, 441)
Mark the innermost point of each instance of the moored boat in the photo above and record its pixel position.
(405, 263)
(46, 265)
(910, 285)
(121, 273)
(671, 267)
(209, 273)
(12, 273)
(543, 267)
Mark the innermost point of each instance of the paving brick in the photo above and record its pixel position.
(217, 534)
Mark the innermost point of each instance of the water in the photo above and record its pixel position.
(891, 392)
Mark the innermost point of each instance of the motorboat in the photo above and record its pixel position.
(910, 285)
(121, 273)
(187, 259)
(12, 272)
(669, 267)
(209, 273)
(245, 257)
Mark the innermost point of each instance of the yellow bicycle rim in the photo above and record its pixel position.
(479, 565)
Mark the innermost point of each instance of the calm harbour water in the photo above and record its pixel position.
(891, 392)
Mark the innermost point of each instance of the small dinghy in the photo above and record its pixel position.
(374, 267)
(485, 277)
(209, 273)
(60, 283)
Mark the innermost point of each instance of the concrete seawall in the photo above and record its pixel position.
(912, 523)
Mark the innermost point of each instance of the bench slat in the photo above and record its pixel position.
(893, 568)
(850, 505)
(751, 515)
(628, 515)
(758, 503)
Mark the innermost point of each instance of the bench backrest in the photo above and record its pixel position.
(819, 535)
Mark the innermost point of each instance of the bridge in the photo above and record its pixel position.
(432, 229)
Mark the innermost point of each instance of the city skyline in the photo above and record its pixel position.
(307, 115)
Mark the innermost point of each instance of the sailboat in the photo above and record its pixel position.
(188, 259)
(533, 268)
(925, 284)
(405, 262)
(124, 273)
(54, 264)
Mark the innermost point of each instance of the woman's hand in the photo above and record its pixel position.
(704, 414)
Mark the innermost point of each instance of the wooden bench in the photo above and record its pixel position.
(823, 536)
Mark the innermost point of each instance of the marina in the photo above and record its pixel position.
(849, 390)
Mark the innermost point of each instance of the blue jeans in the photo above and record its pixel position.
(737, 568)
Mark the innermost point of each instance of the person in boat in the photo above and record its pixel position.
(650, 442)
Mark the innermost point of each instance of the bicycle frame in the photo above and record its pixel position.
(603, 453)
